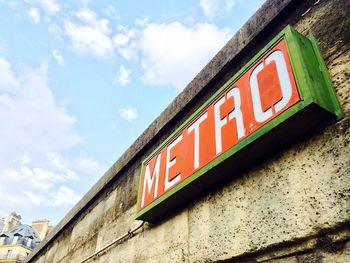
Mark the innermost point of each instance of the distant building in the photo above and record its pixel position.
(18, 240)
(2, 222)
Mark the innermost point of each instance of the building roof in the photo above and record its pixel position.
(23, 231)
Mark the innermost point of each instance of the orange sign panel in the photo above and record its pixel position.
(263, 92)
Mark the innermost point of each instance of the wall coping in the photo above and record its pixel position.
(262, 18)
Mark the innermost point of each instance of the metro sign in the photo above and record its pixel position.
(281, 93)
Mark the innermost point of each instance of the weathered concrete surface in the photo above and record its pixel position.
(338, 252)
(294, 206)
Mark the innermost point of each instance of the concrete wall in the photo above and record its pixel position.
(293, 206)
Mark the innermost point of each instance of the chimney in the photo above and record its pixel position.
(12, 220)
(41, 227)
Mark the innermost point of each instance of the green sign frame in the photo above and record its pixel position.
(318, 105)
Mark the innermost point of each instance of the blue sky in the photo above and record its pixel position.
(80, 80)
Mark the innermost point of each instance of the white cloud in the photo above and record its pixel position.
(86, 166)
(29, 111)
(211, 8)
(126, 42)
(90, 36)
(123, 76)
(60, 166)
(172, 54)
(62, 196)
(35, 129)
(8, 82)
(56, 32)
(35, 199)
(58, 57)
(34, 14)
(51, 7)
(128, 113)
(141, 21)
(89, 18)
(31, 184)
(111, 12)
(122, 39)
